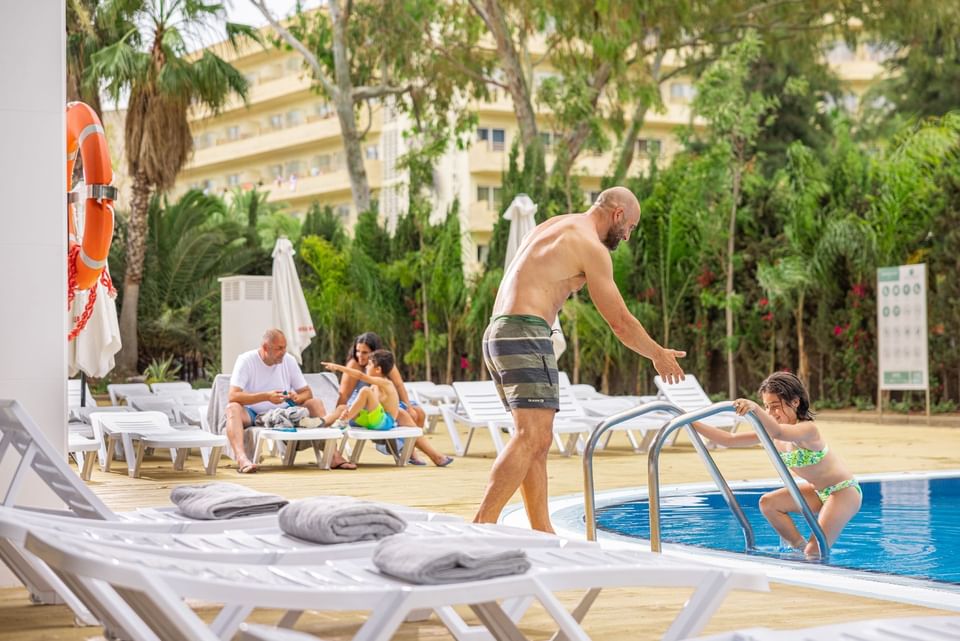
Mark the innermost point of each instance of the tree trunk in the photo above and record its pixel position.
(573, 142)
(343, 100)
(492, 15)
(133, 274)
(803, 370)
(605, 378)
(628, 148)
(450, 341)
(426, 331)
(731, 230)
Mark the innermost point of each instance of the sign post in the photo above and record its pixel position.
(902, 335)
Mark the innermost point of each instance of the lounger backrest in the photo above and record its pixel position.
(74, 392)
(119, 391)
(173, 387)
(688, 395)
(480, 401)
(323, 388)
(18, 433)
(189, 397)
(84, 412)
(569, 405)
(166, 405)
(139, 422)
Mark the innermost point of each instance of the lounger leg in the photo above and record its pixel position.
(229, 619)
(407, 452)
(289, 619)
(134, 471)
(357, 449)
(213, 460)
(459, 628)
(386, 617)
(569, 626)
(289, 453)
(586, 602)
(109, 442)
(324, 462)
(180, 458)
(258, 450)
(497, 622)
(606, 441)
(451, 422)
(699, 608)
(647, 441)
(87, 469)
(469, 439)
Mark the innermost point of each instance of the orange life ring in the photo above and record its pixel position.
(85, 135)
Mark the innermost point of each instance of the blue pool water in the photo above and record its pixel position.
(907, 527)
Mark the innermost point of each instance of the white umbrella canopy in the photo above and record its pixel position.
(520, 213)
(290, 312)
(92, 351)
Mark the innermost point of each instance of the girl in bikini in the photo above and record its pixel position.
(830, 490)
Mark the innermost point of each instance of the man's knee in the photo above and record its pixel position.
(537, 435)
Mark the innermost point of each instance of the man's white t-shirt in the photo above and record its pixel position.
(252, 375)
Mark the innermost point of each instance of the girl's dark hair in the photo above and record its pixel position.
(369, 339)
(787, 387)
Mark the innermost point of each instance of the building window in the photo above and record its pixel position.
(483, 134)
(276, 121)
(233, 180)
(294, 118)
(682, 92)
(233, 133)
(294, 63)
(343, 211)
(276, 171)
(294, 167)
(498, 139)
(483, 251)
(649, 146)
(320, 165)
(493, 196)
(372, 152)
(323, 110)
(547, 139)
(208, 186)
(252, 78)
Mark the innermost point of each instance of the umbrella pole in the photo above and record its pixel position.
(83, 389)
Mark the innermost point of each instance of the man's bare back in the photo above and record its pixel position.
(548, 268)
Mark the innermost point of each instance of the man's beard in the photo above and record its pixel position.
(613, 237)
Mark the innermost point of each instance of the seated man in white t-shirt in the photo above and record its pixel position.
(264, 379)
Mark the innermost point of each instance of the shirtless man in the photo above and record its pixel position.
(557, 259)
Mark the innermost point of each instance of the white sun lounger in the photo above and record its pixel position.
(906, 629)
(139, 430)
(153, 589)
(174, 387)
(120, 391)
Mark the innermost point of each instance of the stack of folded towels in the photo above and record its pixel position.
(223, 501)
(446, 559)
(339, 519)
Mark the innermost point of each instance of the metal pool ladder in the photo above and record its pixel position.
(686, 420)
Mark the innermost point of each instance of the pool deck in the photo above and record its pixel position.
(641, 615)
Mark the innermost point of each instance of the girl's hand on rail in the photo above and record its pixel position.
(743, 405)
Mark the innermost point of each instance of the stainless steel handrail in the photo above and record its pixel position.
(602, 427)
(685, 420)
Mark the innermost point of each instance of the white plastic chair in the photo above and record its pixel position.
(154, 587)
(120, 391)
(360, 436)
(322, 440)
(139, 430)
(905, 629)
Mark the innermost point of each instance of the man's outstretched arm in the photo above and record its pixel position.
(598, 269)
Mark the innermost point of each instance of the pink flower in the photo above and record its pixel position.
(837, 330)
(417, 324)
(764, 302)
(767, 317)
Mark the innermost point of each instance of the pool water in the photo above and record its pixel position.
(907, 527)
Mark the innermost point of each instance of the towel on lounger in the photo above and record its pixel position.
(339, 519)
(446, 559)
(281, 417)
(223, 501)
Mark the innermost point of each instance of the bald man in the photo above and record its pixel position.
(557, 259)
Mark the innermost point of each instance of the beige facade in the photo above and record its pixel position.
(286, 139)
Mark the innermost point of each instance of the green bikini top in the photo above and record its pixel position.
(801, 457)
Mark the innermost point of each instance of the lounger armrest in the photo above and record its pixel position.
(449, 414)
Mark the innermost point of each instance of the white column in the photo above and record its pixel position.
(33, 234)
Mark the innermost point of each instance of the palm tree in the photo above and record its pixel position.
(164, 81)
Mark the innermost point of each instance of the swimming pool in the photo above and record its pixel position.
(898, 522)
(906, 527)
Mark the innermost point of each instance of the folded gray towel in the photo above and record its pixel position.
(339, 519)
(223, 501)
(283, 417)
(446, 559)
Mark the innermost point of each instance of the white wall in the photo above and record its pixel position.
(33, 228)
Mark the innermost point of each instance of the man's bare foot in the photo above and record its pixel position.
(246, 467)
